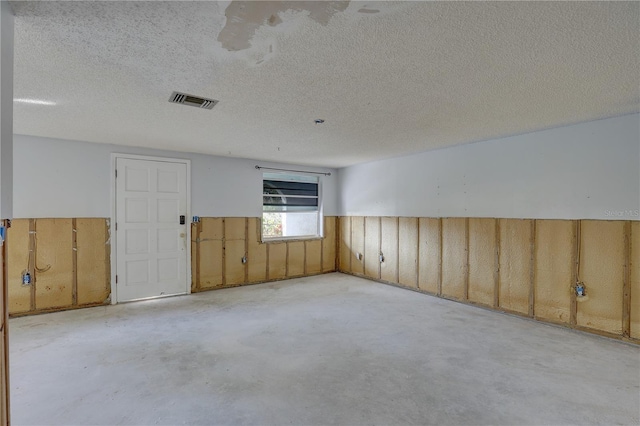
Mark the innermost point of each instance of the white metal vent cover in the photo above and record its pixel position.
(198, 102)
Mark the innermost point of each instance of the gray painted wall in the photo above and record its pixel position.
(61, 178)
(584, 171)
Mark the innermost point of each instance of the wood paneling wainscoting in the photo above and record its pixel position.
(227, 252)
(527, 267)
(68, 259)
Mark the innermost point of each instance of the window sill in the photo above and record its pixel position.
(291, 239)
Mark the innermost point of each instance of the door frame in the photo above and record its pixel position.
(113, 235)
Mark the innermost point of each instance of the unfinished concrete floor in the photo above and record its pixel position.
(331, 349)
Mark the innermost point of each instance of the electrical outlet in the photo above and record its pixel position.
(26, 278)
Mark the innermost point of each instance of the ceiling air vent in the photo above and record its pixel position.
(183, 98)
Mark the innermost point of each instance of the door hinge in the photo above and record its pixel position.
(116, 226)
(116, 279)
(116, 173)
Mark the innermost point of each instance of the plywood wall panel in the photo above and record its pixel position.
(212, 228)
(54, 287)
(357, 245)
(234, 269)
(313, 250)
(295, 259)
(18, 261)
(408, 251)
(329, 244)
(257, 256)
(482, 260)
(635, 279)
(372, 247)
(515, 262)
(210, 263)
(454, 257)
(602, 271)
(93, 251)
(211, 249)
(234, 228)
(554, 269)
(389, 249)
(277, 260)
(345, 244)
(429, 255)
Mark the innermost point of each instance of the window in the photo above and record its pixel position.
(291, 206)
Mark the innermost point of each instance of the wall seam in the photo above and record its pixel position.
(304, 268)
(246, 250)
(575, 258)
(380, 247)
(466, 259)
(496, 274)
(32, 255)
(74, 262)
(268, 267)
(223, 267)
(626, 286)
(286, 259)
(440, 256)
(398, 250)
(324, 236)
(532, 270)
(198, 234)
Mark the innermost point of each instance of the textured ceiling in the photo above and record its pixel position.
(388, 78)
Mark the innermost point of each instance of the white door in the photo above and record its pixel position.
(151, 229)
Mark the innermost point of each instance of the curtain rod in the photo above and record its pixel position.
(297, 171)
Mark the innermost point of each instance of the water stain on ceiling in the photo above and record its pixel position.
(245, 17)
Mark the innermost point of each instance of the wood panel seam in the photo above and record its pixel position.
(626, 286)
(496, 275)
(74, 263)
(466, 260)
(573, 313)
(532, 272)
(440, 257)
